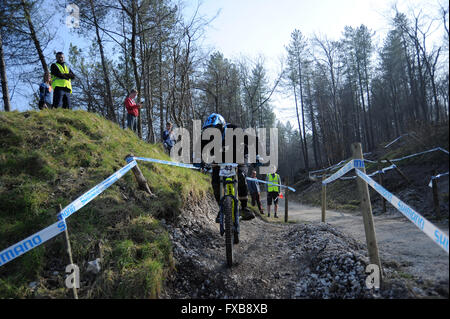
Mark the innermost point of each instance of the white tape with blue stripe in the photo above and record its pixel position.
(344, 170)
(341, 163)
(436, 177)
(382, 171)
(31, 242)
(94, 192)
(383, 161)
(51, 231)
(270, 183)
(438, 236)
(417, 154)
(396, 140)
(153, 160)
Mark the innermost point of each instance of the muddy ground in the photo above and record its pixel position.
(308, 259)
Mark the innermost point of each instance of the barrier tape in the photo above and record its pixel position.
(94, 192)
(340, 164)
(443, 150)
(194, 167)
(344, 170)
(382, 161)
(396, 140)
(31, 242)
(331, 167)
(164, 162)
(436, 177)
(438, 236)
(51, 231)
(382, 171)
(417, 154)
(270, 183)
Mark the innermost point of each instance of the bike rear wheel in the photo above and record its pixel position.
(228, 211)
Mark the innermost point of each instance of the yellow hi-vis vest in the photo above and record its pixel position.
(274, 179)
(62, 82)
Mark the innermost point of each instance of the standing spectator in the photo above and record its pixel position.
(168, 138)
(133, 110)
(273, 191)
(46, 92)
(61, 82)
(253, 188)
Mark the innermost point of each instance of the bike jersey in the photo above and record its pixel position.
(233, 147)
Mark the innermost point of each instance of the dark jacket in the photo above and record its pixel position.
(235, 146)
(253, 187)
(55, 71)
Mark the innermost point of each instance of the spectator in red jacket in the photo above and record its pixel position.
(133, 110)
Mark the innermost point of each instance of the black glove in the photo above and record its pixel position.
(199, 165)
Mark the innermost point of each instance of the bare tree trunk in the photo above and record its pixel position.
(134, 60)
(34, 36)
(394, 107)
(111, 115)
(146, 78)
(149, 107)
(422, 84)
(160, 93)
(356, 111)
(431, 67)
(303, 118)
(125, 55)
(299, 126)
(4, 79)
(313, 124)
(372, 142)
(366, 128)
(133, 15)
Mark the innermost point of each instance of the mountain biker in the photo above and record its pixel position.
(217, 121)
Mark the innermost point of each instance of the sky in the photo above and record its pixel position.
(256, 28)
(250, 26)
(262, 28)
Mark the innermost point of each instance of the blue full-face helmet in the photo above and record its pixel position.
(215, 120)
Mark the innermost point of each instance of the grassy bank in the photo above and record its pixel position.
(49, 158)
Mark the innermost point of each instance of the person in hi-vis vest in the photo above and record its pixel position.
(61, 82)
(273, 191)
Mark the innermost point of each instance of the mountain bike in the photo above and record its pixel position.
(229, 208)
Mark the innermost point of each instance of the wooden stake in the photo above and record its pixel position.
(437, 208)
(380, 181)
(366, 210)
(286, 201)
(324, 197)
(400, 172)
(140, 178)
(69, 251)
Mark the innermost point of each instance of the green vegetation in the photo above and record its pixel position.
(49, 158)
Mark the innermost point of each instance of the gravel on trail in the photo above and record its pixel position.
(277, 261)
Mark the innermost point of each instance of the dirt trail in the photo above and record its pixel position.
(265, 264)
(398, 239)
(296, 260)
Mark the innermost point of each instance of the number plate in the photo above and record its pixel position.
(227, 171)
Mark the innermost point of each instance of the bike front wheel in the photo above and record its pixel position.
(228, 212)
